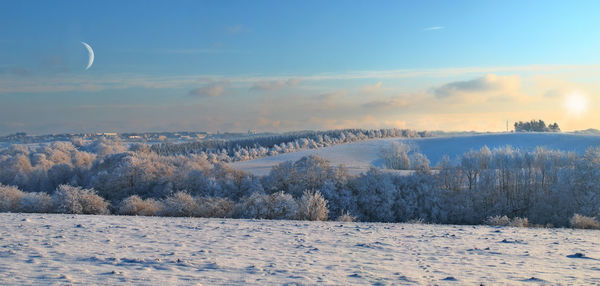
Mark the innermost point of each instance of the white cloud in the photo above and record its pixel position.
(274, 85)
(389, 103)
(211, 90)
(433, 28)
(10, 83)
(373, 89)
(480, 86)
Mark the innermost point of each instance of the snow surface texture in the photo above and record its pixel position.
(116, 250)
(360, 156)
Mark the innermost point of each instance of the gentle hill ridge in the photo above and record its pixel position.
(360, 156)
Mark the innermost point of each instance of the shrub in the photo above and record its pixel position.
(584, 222)
(498, 221)
(346, 217)
(260, 206)
(519, 222)
(180, 204)
(214, 207)
(416, 221)
(281, 206)
(10, 198)
(254, 206)
(35, 203)
(312, 206)
(75, 200)
(135, 205)
(14, 200)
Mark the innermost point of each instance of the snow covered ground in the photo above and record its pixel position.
(360, 156)
(41, 249)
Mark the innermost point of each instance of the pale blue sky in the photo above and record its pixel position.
(285, 65)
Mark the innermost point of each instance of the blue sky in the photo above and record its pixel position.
(285, 65)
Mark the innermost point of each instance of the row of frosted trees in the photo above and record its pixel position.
(261, 146)
(545, 186)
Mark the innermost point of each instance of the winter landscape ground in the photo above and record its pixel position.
(62, 249)
(360, 156)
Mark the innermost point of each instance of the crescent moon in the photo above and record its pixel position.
(90, 54)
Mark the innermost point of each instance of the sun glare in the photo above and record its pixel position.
(576, 103)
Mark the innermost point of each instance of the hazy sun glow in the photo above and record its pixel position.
(576, 103)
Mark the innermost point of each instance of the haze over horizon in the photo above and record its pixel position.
(283, 65)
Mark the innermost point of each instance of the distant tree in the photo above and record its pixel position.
(536, 126)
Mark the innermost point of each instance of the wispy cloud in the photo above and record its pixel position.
(433, 28)
(372, 89)
(274, 85)
(489, 82)
(388, 103)
(214, 89)
(11, 82)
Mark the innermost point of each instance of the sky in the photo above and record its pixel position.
(233, 66)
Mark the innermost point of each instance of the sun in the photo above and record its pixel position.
(576, 103)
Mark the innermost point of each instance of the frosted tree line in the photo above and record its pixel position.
(505, 185)
(256, 147)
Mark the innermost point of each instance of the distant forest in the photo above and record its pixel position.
(536, 126)
(541, 187)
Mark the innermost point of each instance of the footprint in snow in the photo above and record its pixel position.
(512, 241)
(533, 279)
(579, 255)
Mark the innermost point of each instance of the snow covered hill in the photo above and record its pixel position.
(53, 249)
(360, 156)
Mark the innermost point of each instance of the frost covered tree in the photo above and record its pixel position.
(312, 206)
(396, 156)
(76, 200)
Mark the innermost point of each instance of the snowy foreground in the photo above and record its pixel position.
(66, 249)
(358, 157)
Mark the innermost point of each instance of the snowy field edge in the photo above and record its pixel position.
(56, 249)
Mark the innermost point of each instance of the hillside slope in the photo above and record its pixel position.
(360, 156)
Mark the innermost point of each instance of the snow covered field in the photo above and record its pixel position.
(40, 249)
(360, 156)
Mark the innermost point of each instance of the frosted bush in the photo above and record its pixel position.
(419, 162)
(519, 222)
(254, 206)
(180, 204)
(346, 217)
(35, 203)
(312, 206)
(14, 200)
(135, 205)
(76, 200)
(584, 222)
(9, 198)
(275, 206)
(416, 221)
(214, 207)
(281, 206)
(498, 221)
